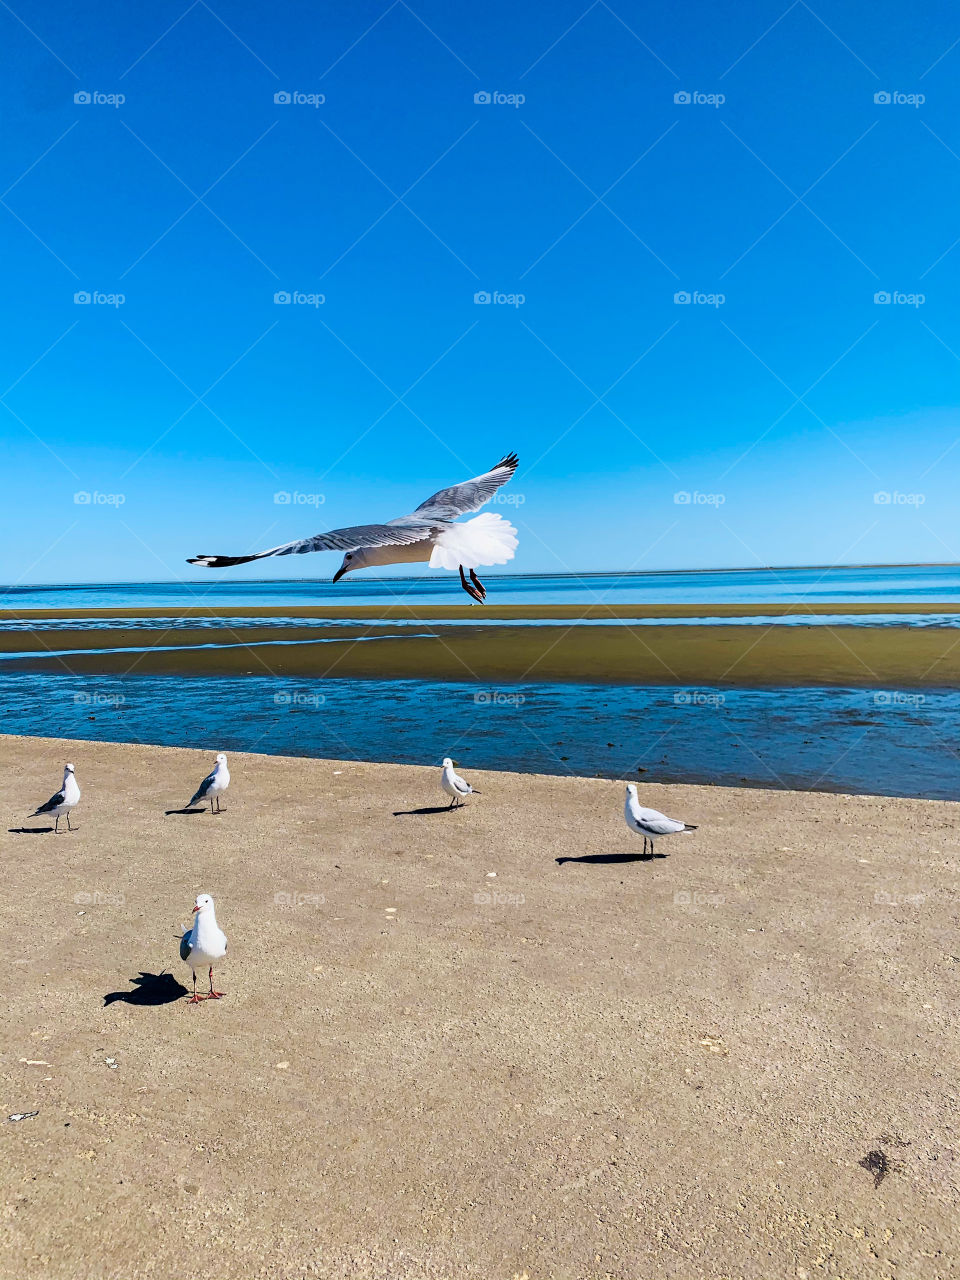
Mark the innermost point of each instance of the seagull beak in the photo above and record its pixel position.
(195, 910)
(339, 574)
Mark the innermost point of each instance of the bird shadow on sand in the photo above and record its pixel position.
(167, 812)
(614, 858)
(29, 831)
(150, 989)
(439, 808)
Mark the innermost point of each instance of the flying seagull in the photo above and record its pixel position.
(66, 798)
(453, 784)
(214, 784)
(202, 944)
(649, 823)
(429, 533)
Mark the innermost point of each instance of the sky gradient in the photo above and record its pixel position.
(785, 166)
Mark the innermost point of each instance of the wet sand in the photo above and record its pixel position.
(734, 1060)
(749, 655)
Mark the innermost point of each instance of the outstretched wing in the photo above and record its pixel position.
(471, 494)
(359, 535)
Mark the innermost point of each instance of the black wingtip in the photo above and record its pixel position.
(511, 461)
(220, 562)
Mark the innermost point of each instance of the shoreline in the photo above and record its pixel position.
(532, 1042)
(686, 655)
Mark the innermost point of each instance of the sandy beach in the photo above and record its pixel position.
(480, 1044)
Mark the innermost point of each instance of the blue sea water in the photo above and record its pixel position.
(812, 585)
(888, 742)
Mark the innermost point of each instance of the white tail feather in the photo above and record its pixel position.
(487, 539)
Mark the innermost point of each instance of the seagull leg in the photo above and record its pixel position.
(196, 999)
(56, 824)
(469, 588)
(478, 584)
(214, 995)
(69, 828)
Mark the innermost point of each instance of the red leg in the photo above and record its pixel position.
(196, 999)
(213, 995)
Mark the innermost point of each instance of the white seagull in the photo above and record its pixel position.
(453, 784)
(429, 533)
(66, 798)
(214, 784)
(202, 944)
(649, 823)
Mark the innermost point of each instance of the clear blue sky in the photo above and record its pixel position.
(598, 198)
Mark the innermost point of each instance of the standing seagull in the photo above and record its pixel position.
(649, 823)
(453, 784)
(429, 533)
(213, 784)
(202, 944)
(62, 802)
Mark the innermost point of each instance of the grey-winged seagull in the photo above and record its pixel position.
(66, 799)
(214, 784)
(203, 944)
(649, 823)
(429, 533)
(453, 784)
